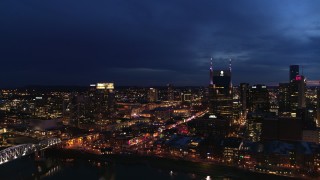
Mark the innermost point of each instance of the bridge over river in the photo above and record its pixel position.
(18, 151)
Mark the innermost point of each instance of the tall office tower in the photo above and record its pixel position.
(302, 92)
(104, 99)
(297, 94)
(79, 113)
(318, 108)
(170, 93)
(284, 99)
(221, 93)
(254, 126)
(294, 71)
(259, 98)
(211, 72)
(244, 89)
(210, 95)
(153, 95)
(65, 109)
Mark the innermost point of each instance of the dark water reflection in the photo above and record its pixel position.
(51, 169)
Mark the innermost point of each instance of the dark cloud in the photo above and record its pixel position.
(155, 42)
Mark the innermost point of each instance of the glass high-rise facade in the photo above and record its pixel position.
(294, 71)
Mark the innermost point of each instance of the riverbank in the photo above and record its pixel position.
(175, 165)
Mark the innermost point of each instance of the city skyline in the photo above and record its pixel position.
(299, 72)
(148, 43)
(169, 89)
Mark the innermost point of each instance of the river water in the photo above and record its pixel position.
(53, 168)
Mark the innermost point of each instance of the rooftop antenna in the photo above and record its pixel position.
(230, 65)
(211, 72)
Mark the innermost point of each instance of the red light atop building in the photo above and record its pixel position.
(298, 78)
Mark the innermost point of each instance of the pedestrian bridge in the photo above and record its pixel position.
(15, 152)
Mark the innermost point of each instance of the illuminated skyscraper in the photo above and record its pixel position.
(244, 88)
(170, 93)
(259, 98)
(221, 93)
(153, 95)
(318, 108)
(254, 126)
(294, 71)
(102, 95)
(211, 72)
(284, 99)
(297, 94)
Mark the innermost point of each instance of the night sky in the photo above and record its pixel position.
(155, 42)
